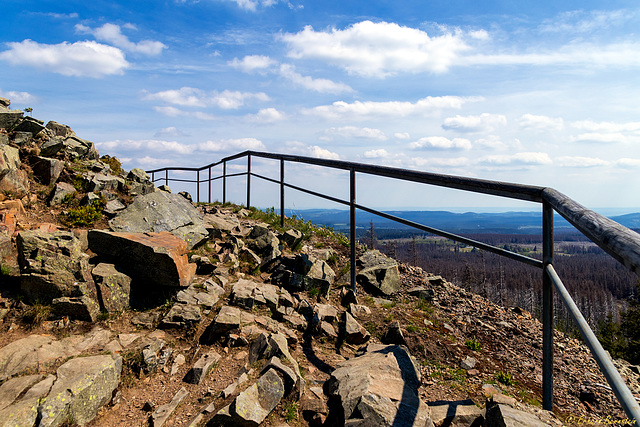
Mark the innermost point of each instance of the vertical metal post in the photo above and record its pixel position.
(198, 186)
(209, 184)
(224, 182)
(547, 308)
(166, 176)
(153, 177)
(281, 192)
(248, 180)
(352, 224)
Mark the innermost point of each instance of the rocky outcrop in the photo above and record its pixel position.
(160, 211)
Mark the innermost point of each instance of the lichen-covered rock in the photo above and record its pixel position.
(160, 211)
(83, 385)
(114, 287)
(52, 265)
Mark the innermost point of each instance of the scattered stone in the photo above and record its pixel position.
(47, 170)
(468, 363)
(182, 316)
(394, 334)
(358, 310)
(379, 273)
(354, 333)
(422, 292)
(80, 308)
(162, 414)
(177, 363)
(291, 238)
(201, 368)
(114, 287)
(456, 413)
(291, 379)
(60, 193)
(503, 415)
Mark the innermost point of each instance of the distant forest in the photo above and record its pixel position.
(600, 286)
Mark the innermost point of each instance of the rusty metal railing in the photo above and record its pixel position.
(618, 241)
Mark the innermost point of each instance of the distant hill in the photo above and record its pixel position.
(468, 222)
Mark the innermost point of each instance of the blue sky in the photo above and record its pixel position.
(543, 93)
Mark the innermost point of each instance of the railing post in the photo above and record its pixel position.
(209, 184)
(224, 182)
(153, 177)
(352, 224)
(281, 192)
(166, 176)
(198, 186)
(248, 180)
(547, 309)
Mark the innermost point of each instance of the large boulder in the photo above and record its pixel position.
(53, 265)
(305, 272)
(29, 124)
(70, 148)
(83, 386)
(140, 184)
(379, 387)
(158, 259)
(8, 118)
(59, 129)
(161, 211)
(13, 180)
(379, 273)
(114, 287)
(47, 170)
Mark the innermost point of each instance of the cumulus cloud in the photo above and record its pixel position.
(492, 142)
(373, 109)
(543, 123)
(628, 163)
(356, 132)
(376, 154)
(592, 126)
(112, 34)
(170, 111)
(518, 159)
(380, 49)
(84, 59)
(232, 145)
(17, 97)
(192, 97)
(267, 115)
(440, 143)
(319, 85)
(296, 147)
(483, 123)
(580, 162)
(252, 63)
(402, 135)
(147, 145)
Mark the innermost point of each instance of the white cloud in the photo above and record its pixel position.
(367, 109)
(147, 145)
(628, 163)
(267, 115)
(152, 161)
(192, 97)
(592, 126)
(111, 33)
(402, 135)
(483, 123)
(492, 142)
(441, 143)
(296, 147)
(85, 58)
(319, 85)
(579, 21)
(170, 111)
(356, 132)
(378, 49)
(580, 162)
(18, 97)
(170, 131)
(607, 138)
(376, 154)
(431, 162)
(252, 63)
(232, 145)
(543, 123)
(526, 158)
(185, 97)
(231, 100)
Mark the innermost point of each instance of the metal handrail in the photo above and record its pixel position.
(620, 242)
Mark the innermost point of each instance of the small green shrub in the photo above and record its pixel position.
(36, 314)
(5, 270)
(412, 328)
(314, 291)
(504, 378)
(113, 163)
(290, 411)
(82, 216)
(473, 345)
(332, 260)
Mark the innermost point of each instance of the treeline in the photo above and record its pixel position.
(600, 286)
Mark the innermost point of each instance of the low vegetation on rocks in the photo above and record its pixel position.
(214, 314)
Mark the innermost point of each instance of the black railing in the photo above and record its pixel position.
(620, 242)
